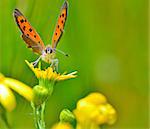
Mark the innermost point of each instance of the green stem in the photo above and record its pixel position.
(6, 121)
(39, 116)
(3, 116)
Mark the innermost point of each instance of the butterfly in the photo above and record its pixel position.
(34, 41)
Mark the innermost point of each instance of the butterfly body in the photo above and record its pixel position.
(48, 55)
(33, 40)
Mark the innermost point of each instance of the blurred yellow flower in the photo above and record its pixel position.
(49, 74)
(20, 88)
(62, 126)
(94, 110)
(7, 98)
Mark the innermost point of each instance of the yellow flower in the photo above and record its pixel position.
(62, 126)
(94, 110)
(7, 98)
(49, 74)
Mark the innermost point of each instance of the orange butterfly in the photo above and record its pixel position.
(33, 40)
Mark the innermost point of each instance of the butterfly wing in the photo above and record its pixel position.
(29, 35)
(60, 25)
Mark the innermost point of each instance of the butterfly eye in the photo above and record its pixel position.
(51, 51)
(46, 50)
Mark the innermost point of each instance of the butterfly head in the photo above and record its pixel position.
(48, 49)
(48, 54)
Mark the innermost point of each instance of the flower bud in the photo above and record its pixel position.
(67, 116)
(40, 94)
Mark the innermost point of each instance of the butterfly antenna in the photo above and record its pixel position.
(62, 52)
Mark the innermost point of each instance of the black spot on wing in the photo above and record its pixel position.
(58, 38)
(30, 30)
(24, 27)
(61, 30)
(16, 14)
(21, 20)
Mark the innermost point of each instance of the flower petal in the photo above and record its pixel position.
(7, 99)
(67, 76)
(49, 74)
(20, 88)
(96, 98)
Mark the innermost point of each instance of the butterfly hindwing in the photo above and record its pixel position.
(60, 25)
(29, 35)
(35, 47)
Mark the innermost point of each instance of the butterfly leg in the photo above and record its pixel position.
(36, 62)
(54, 64)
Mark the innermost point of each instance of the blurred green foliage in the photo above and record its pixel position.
(107, 41)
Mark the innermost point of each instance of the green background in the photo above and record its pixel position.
(108, 45)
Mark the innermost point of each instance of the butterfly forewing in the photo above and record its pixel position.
(29, 35)
(60, 25)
